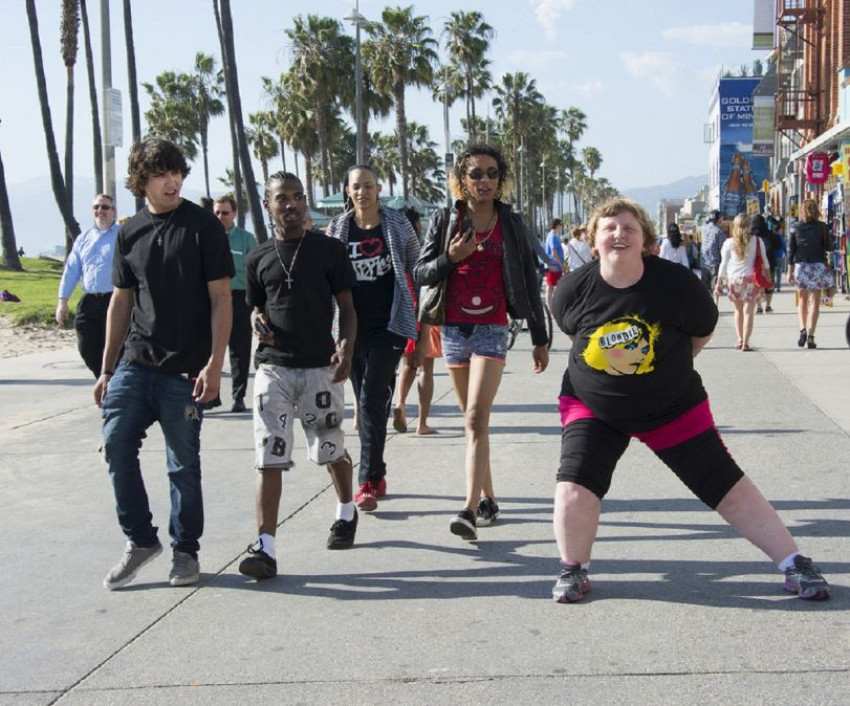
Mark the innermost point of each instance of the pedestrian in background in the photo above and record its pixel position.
(713, 237)
(241, 243)
(807, 269)
(90, 261)
(673, 247)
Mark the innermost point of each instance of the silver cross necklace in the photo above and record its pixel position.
(159, 233)
(288, 272)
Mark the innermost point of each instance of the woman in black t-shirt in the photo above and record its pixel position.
(630, 375)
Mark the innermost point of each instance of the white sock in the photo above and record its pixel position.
(267, 544)
(345, 511)
(787, 562)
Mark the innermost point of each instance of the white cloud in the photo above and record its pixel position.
(723, 35)
(548, 12)
(592, 86)
(536, 59)
(659, 67)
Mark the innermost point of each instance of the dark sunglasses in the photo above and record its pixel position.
(478, 174)
(102, 207)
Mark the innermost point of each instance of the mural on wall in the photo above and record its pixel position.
(740, 170)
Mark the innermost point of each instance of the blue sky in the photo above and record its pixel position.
(642, 72)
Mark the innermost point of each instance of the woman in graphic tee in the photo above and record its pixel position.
(631, 374)
(490, 271)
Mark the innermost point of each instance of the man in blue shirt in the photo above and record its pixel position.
(555, 253)
(713, 237)
(91, 261)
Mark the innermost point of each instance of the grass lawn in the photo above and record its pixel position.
(38, 289)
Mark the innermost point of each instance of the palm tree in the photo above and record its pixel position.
(592, 159)
(573, 123)
(469, 38)
(276, 93)
(97, 141)
(133, 84)
(209, 88)
(426, 174)
(172, 113)
(299, 125)
(322, 58)
(375, 104)
(224, 23)
(69, 31)
(515, 96)
(401, 54)
(385, 161)
(7, 226)
(56, 179)
(262, 139)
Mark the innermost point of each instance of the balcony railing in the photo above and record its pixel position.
(795, 108)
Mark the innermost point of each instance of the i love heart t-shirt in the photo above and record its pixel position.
(373, 267)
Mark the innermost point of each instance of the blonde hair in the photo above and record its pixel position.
(810, 210)
(741, 234)
(615, 207)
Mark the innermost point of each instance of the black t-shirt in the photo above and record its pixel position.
(632, 359)
(373, 266)
(168, 266)
(301, 317)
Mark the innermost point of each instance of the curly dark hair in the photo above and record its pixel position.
(462, 164)
(153, 156)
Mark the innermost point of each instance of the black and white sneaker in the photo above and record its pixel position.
(342, 533)
(258, 564)
(464, 525)
(488, 512)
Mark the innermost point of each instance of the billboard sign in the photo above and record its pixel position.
(741, 170)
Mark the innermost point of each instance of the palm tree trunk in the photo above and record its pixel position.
(322, 134)
(56, 179)
(282, 152)
(69, 149)
(97, 140)
(7, 226)
(264, 163)
(135, 119)
(224, 20)
(401, 126)
(308, 171)
(205, 153)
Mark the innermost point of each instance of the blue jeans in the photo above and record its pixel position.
(136, 398)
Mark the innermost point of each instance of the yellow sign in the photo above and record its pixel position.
(845, 160)
(765, 187)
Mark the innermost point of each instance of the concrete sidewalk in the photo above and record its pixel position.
(682, 611)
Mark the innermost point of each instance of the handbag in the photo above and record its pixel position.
(761, 275)
(432, 297)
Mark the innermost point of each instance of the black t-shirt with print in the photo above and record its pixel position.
(301, 317)
(631, 361)
(170, 325)
(373, 267)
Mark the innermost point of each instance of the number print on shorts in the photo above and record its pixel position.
(329, 448)
(283, 419)
(331, 420)
(278, 447)
(323, 400)
(309, 420)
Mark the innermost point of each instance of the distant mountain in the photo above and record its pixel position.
(38, 225)
(649, 196)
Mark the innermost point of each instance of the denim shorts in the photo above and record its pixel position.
(462, 341)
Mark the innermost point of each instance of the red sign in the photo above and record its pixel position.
(817, 168)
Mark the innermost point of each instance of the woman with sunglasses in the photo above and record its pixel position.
(383, 248)
(486, 254)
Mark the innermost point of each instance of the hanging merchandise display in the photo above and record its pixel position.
(818, 167)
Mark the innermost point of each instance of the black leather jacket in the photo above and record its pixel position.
(519, 268)
(809, 243)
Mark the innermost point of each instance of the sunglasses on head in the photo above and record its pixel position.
(478, 174)
(102, 207)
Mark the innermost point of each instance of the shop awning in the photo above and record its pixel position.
(826, 142)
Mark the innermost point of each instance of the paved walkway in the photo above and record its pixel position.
(682, 611)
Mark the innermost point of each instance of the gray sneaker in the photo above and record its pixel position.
(134, 558)
(185, 570)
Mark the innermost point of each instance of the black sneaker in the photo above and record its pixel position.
(571, 585)
(488, 512)
(258, 565)
(342, 533)
(805, 580)
(238, 406)
(464, 525)
(801, 341)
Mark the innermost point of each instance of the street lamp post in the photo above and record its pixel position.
(358, 20)
(449, 157)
